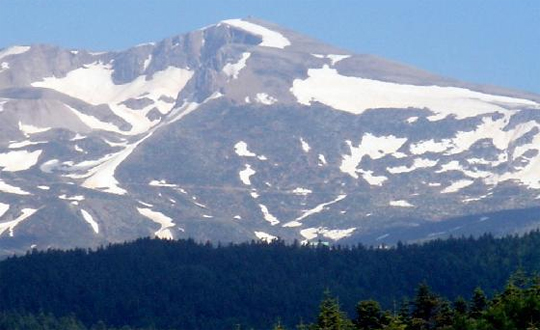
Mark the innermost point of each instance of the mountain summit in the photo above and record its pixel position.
(244, 130)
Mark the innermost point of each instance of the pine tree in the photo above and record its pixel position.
(369, 316)
(478, 303)
(330, 315)
(460, 306)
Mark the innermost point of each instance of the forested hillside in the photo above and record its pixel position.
(185, 285)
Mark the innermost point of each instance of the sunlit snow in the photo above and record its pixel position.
(418, 163)
(88, 218)
(22, 144)
(301, 191)
(10, 225)
(356, 95)
(3, 209)
(269, 38)
(322, 160)
(246, 174)
(457, 186)
(241, 149)
(373, 146)
(317, 209)
(19, 160)
(160, 218)
(232, 70)
(265, 237)
(400, 203)
(7, 188)
(305, 145)
(268, 216)
(15, 50)
(93, 84)
(265, 99)
(30, 129)
(334, 234)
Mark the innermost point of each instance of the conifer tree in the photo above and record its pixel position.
(478, 303)
(330, 315)
(369, 316)
(424, 308)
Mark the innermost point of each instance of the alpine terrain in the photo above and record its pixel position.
(244, 130)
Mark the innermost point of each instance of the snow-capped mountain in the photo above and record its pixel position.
(244, 130)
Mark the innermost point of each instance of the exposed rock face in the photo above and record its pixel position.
(244, 130)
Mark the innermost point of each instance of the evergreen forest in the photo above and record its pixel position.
(459, 283)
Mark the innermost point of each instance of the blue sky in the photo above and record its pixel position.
(493, 42)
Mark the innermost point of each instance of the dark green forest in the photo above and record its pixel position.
(157, 284)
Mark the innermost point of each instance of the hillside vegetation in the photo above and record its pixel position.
(186, 285)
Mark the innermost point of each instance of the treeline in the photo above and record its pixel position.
(516, 308)
(185, 285)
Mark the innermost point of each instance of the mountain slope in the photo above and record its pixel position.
(245, 130)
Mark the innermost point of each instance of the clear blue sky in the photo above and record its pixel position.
(494, 42)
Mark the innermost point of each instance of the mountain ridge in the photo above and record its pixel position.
(243, 130)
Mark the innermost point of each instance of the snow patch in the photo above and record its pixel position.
(94, 123)
(102, 177)
(7, 188)
(336, 58)
(241, 149)
(78, 198)
(268, 216)
(161, 183)
(4, 66)
(265, 237)
(3, 209)
(457, 186)
(159, 218)
(10, 225)
(15, 50)
(401, 203)
(246, 174)
(373, 146)
(334, 234)
(147, 62)
(301, 191)
(322, 160)
(29, 129)
(423, 147)
(269, 38)
(356, 95)
(418, 163)
(317, 209)
(305, 145)
(93, 84)
(265, 99)
(20, 160)
(22, 144)
(232, 70)
(88, 218)
(411, 120)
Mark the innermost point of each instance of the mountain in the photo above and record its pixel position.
(245, 130)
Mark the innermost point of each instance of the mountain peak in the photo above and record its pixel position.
(270, 38)
(247, 130)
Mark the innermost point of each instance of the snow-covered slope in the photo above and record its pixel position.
(245, 130)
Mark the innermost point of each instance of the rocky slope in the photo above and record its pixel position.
(245, 130)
